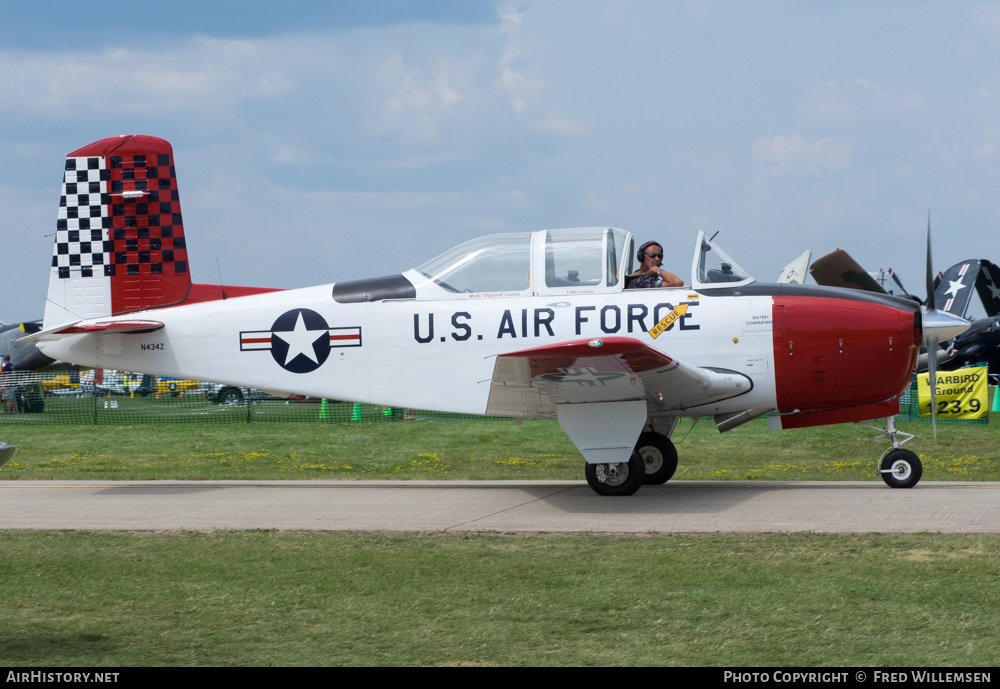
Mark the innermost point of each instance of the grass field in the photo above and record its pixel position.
(270, 598)
(261, 598)
(467, 449)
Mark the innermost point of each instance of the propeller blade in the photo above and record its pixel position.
(930, 270)
(899, 283)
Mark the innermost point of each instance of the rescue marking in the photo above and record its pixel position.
(668, 320)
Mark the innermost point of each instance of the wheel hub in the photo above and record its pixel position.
(612, 474)
(652, 458)
(900, 469)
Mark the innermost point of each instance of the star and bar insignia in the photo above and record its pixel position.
(300, 340)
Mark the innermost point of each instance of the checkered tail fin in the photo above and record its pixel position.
(119, 235)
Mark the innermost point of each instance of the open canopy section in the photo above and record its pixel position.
(584, 257)
(712, 267)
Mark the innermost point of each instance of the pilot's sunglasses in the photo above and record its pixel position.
(654, 255)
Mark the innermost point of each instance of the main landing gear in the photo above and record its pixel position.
(623, 478)
(659, 456)
(653, 461)
(899, 468)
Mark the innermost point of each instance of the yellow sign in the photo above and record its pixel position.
(961, 394)
(668, 320)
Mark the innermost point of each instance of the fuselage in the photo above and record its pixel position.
(804, 348)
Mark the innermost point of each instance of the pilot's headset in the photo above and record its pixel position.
(641, 254)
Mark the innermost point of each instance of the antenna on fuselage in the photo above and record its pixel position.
(222, 285)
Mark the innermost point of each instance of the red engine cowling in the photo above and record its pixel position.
(842, 359)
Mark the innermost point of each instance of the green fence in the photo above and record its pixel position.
(39, 398)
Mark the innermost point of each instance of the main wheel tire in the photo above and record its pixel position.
(900, 468)
(617, 479)
(230, 396)
(659, 456)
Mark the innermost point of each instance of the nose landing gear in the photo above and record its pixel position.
(899, 468)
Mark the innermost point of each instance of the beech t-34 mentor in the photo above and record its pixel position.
(525, 325)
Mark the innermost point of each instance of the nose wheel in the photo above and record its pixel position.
(899, 468)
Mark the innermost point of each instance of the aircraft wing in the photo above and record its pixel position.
(531, 382)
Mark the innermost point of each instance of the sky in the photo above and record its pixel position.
(324, 141)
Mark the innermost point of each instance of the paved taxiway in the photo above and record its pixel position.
(679, 506)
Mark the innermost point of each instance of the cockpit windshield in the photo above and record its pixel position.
(713, 268)
(563, 261)
(494, 263)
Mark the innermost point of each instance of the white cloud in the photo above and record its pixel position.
(525, 91)
(794, 153)
(849, 98)
(513, 198)
(644, 186)
(988, 148)
(386, 200)
(987, 19)
(597, 203)
(287, 155)
(519, 86)
(203, 72)
(418, 96)
(221, 191)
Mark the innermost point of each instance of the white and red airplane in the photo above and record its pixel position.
(525, 325)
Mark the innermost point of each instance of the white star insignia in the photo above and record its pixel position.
(991, 286)
(954, 287)
(300, 340)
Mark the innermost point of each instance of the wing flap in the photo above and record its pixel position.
(532, 382)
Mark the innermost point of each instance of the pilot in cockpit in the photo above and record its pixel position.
(651, 273)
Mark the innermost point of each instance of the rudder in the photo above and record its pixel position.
(120, 243)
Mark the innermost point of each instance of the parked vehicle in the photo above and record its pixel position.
(230, 394)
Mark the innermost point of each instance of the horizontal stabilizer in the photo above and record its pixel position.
(81, 327)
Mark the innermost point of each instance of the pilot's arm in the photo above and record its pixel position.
(669, 279)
